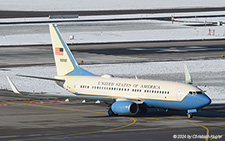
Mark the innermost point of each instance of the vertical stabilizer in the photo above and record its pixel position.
(66, 65)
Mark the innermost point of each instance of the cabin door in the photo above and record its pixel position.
(179, 94)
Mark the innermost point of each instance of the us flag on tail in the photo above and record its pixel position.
(58, 51)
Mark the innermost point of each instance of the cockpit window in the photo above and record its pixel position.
(199, 92)
(195, 93)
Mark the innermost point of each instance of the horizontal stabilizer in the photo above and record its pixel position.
(14, 89)
(45, 78)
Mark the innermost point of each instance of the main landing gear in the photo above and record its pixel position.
(189, 115)
(111, 113)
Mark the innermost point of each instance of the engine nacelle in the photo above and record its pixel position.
(125, 107)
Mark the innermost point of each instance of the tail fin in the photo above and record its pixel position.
(66, 65)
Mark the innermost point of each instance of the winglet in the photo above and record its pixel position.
(14, 89)
(188, 79)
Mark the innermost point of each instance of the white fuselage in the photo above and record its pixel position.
(128, 88)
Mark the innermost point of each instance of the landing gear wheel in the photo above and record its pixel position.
(111, 113)
(143, 111)
(189, 115)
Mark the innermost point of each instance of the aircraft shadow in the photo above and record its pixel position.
(208, 112)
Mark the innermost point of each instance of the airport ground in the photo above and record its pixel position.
(30, 118)
(116, 52)
(24, 118)
(18, 14)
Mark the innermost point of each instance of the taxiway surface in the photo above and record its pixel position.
(24, 119)
(46, 120)
(17, 14)
(115, 53)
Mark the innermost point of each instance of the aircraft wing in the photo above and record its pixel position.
(46, 78)
(68, 97)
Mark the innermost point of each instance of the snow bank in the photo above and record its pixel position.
(208, 74)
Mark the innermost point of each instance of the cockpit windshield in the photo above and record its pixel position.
(195, 92)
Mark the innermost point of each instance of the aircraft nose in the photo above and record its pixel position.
(204, 99)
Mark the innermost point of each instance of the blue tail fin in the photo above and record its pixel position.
(66, 65)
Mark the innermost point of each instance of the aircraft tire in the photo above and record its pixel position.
(111, 113)
(189, 115)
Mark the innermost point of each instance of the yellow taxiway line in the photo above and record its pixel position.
(207, 130)
(76, 134)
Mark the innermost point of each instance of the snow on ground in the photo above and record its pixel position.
(208, 74)
(201, 69)
(77, 5)
(169, 32)
(121, 16)
(112, 31)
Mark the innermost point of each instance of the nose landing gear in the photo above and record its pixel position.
(190, 113)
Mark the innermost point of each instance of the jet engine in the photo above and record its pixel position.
(125, 107)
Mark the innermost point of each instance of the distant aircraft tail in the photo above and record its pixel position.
(66, 65)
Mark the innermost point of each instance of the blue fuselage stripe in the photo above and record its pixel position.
(189, 102)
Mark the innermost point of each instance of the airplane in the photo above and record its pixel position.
(124, 96)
